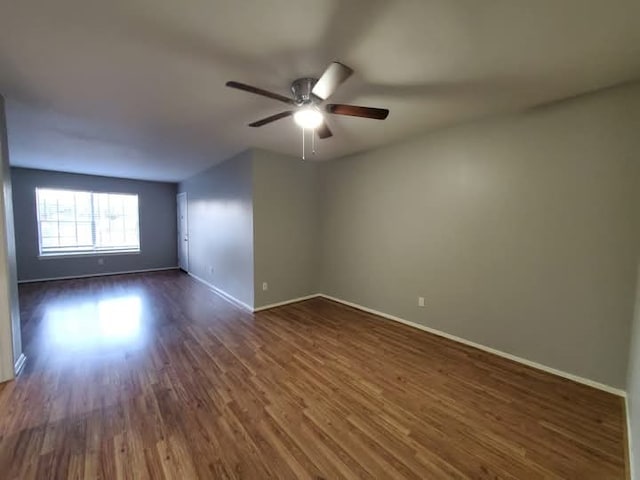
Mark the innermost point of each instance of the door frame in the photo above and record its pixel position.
(186, 217)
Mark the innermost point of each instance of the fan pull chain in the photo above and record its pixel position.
(313, 142)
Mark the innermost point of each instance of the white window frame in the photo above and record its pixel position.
(81, 251)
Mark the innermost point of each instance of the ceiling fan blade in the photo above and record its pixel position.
(259, 91)
(324, 131)
(331, 79)
(355, 111)
(270, 119)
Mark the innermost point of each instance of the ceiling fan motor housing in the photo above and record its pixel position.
(301, 89)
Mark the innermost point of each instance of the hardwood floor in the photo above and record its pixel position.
(153, 376)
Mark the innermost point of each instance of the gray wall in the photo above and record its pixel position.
(286, 227)
(522, 232)
(157, 204)
(633, 388)
(10, 338)
(220, 216)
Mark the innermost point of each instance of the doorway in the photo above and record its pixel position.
(183, 232)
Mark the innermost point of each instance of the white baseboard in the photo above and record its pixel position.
(629, 439)
(19, 365)
(222, 293)
(544, 368)
(286, 302)
(90, 275)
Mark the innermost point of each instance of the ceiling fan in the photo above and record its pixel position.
(308, 96)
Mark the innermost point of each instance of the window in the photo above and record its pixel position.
(72, 222)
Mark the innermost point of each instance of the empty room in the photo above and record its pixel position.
(329, 239)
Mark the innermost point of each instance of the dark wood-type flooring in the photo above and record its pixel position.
(154, 376)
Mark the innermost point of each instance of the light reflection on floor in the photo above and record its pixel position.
(98, 324)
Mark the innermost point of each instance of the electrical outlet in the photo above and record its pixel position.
(101, 261)
(421, 301)
(265, 286)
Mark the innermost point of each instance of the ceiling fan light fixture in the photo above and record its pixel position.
(308, 117)
(306, 103)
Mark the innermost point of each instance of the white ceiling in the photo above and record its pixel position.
(135, 88)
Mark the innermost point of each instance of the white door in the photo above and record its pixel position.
(183, 233)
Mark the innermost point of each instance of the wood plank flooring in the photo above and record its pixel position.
(155, 377)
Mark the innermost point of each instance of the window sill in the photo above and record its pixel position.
(54, 256)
